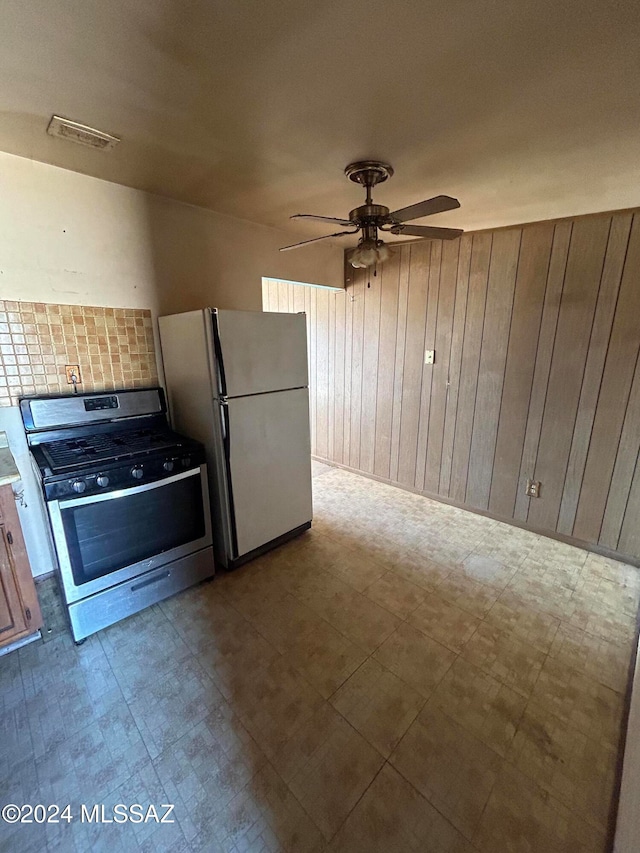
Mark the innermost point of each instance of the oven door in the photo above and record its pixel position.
(105, 539)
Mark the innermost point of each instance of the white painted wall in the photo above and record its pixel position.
(202, 258)
(69, 238)
(72, 239)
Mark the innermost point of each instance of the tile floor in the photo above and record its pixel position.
(404, 677)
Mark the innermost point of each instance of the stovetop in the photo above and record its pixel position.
(87, 444)
(70, 454)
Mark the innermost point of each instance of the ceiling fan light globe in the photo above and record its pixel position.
(384, 253)
(360, 258)
(368, 253)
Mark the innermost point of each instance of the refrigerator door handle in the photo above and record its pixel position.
(217, 347)
(224, 424)
(226, 445)
(219, 374)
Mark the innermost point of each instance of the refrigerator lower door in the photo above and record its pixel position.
(269, 463)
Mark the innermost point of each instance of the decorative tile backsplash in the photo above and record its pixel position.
(113, 347)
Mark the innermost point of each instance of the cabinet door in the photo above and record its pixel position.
(12, 615)
(19, 609)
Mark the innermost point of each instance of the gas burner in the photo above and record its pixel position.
(68, 454)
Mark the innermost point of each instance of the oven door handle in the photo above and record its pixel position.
(131, 490)
(148, 581)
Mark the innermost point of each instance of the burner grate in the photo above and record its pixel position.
(70, 453)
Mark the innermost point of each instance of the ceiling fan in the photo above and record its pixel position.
(370, 218)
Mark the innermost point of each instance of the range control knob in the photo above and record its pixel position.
(168, 465)
(137, 473)
(79, 486)
(186, 461)
(102, 480)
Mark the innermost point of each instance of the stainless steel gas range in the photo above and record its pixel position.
(127, 500)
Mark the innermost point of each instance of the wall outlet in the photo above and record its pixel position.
(73, 373)
(429, 356)
(532, 489)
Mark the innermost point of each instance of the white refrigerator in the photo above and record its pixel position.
(237, 381)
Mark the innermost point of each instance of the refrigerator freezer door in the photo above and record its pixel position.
(269, 465)
(260, 352)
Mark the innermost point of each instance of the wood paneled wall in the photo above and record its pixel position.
(536, 332)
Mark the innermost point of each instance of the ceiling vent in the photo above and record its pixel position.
(81, 133)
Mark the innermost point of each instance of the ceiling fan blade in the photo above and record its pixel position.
(345, 222)
(426, 231)
(438, 204)
(315, 240)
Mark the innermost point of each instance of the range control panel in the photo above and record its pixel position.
(96, 404)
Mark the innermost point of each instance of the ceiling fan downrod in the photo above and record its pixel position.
(368, 173)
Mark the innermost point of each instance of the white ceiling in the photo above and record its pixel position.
(523, 109)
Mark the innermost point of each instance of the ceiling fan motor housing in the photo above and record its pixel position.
(369, 213)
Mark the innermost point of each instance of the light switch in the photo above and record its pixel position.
(429, 356)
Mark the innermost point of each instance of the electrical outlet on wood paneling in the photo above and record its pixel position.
(532, 489)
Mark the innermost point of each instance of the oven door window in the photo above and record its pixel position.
(108, 535)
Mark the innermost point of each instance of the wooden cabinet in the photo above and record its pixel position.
(19, 608)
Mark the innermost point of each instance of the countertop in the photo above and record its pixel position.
(8, 469)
